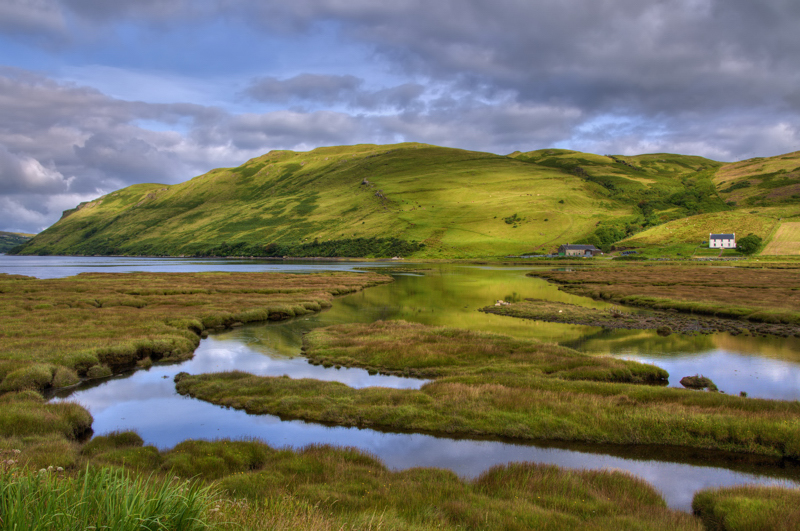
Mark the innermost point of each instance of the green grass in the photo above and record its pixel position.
(9, 240)
(411, 349)
(761, 181)
(746, 507)
(53, 332)
(454, 202)
(685, 235)
(486, 396)
(99, 499)
(323, 487)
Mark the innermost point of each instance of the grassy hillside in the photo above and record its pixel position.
(8, 240)
(686, 234)
(370, 200)
(761, 181)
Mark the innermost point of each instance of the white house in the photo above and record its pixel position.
(722, 241)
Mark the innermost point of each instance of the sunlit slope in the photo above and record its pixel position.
(663, 185)
(459, 203)
(687, 233)
(761, 181)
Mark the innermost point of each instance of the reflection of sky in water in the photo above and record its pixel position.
(732, 372)
(146, 402)
(448, 295)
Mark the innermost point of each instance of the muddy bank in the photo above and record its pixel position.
(666, 322)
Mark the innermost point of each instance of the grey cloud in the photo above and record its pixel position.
(31, 17)
(345, 90)
(315, 87)
(22, 174)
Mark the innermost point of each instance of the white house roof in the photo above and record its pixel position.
(721, 237)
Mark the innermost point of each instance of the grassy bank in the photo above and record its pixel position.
(663, 321)
(255, 486)
(511, 399)
(745, 507)
(770, 296)
(54, 332)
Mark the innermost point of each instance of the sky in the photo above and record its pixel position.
(97, 95)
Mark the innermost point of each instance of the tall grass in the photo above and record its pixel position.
(99, 499)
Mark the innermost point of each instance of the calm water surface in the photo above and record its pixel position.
(442, 295)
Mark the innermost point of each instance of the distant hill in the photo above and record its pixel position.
(9, 240)
(407, 199)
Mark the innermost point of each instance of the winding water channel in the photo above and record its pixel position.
(450, 295)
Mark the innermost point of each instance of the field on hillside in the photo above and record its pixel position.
(687, 234)
(404, 199)
(786, 240)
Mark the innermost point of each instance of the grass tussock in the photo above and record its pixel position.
(55, 331)
(744, 508)
(323, 487)
(240, 485)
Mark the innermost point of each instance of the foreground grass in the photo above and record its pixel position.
(98, 499)
(516, 401)
(322, 487)
(53, 332)
(769, 296)
(748, 508)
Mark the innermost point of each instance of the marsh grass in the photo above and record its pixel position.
(761, 296)
(99, 499)
(54, 331)
(411, 349)
(323, 487)
(484, 387)
(748, 507)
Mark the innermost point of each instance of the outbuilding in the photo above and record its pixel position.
(569, 249)
(722, 241)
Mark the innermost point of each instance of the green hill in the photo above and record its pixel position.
(761, 181)
(371, 200)
(9, 240)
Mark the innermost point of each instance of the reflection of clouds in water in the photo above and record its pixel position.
(733, 372)
(167, 420)
(218, 356)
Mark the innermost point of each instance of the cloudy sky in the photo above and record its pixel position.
(97, 94)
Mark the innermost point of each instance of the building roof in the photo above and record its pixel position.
(574, 247)
(721, 237)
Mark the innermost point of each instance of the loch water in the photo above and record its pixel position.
(435, 294)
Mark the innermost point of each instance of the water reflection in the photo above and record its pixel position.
(447, 295)
(146, 401)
